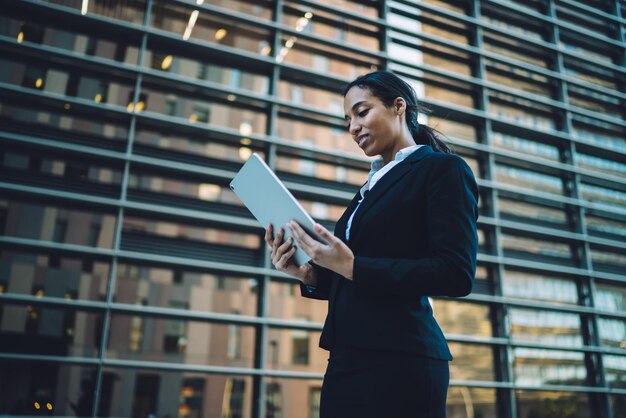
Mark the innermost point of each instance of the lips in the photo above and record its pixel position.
(361, 139)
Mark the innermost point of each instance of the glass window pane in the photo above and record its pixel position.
(295, 350)
(600, 225)
(48, 169)
(462, 318)
(615, 369)
(548, 367)
(514, 209)
(56, 224)
(539, 250)
(41, 388)
(53, 276)
(192, 241)
(471, 362)
(609, 260)
(545, 327)
(40, 330)
(145, 392)
(610, 297)
(184, 289)
(285, 302)
(193, 67)
(291, 398)
(127, 10)
(466, 402)
(202, 25)
(64, 121)
(531, 404)
(175, 340)
(536, 287)
(527, 179)
(525, 146)
(612, 332)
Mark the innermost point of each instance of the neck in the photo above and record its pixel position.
(403, 143)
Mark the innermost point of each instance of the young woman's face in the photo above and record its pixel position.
(374, 127)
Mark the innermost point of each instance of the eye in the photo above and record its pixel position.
(363, 112)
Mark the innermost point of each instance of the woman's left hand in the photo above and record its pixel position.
(335, 255)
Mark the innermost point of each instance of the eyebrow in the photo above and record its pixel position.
(354, 106)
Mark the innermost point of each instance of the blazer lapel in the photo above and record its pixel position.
(384, 184)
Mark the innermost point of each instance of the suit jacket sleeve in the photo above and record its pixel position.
(321, 290)
(449, 265)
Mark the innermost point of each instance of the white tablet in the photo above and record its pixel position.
(270, 202)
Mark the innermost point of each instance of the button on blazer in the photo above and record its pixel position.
(413, 236)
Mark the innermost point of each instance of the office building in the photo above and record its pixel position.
(134, 283)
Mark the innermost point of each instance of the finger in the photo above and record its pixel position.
(279, 238)
(284, 259)
(324, 233)
(268, 235)
(301, 235)
(304, 240)
(285, 246)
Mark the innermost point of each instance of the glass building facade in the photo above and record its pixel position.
(134, 283)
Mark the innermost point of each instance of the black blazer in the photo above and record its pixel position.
(413, 236)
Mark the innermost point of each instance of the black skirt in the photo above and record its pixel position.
(375, 384)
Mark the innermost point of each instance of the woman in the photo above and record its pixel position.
(409, 233)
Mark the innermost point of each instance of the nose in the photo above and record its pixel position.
(354, 128)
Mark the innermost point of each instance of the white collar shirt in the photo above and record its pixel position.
(378, 170)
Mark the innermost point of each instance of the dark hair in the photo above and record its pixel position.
(387, 87)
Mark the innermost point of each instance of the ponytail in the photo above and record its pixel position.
(424, 134)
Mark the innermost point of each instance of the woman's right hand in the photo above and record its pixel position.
(282, 256)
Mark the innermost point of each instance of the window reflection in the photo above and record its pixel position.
(51, 223)
(545, 327)
(180, 341)
(530, 286)
(603, 195)
(612, 332)
(201, 24)
(328, 25)
(187, 394)
(295, 350)
(470, 402)
(542, 404)
(197, 110)
(608, 260)
(471, 362)
(525, 146)
(462, 318)
(292, 398)
(537, 250)
(610, 297)
(45, 169)
(189, 290)
(62, 119)
(528, 179)
(615, 367)
(200, 195)
(605, 227)
(57, 389)
(40, 330)
(285, 302)
(77, 40)
(548, 367)
(54, 276)
(172, 61)
(517, 210)
(187, 148)
(191, 241)
(127, 10)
